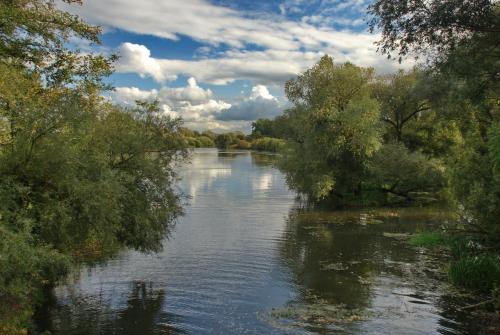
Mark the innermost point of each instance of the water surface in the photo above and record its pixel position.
(246, 259)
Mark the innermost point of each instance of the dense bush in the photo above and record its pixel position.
(242, 144)
(239, 141)
(200, 142)
(25, 268)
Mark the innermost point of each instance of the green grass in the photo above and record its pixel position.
(429, 239)
(480, 272)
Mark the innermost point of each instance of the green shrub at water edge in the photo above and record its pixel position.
(268, 144)
(480, 272)
(24, 270)
(242, 144)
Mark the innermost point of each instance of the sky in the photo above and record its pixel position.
(222, 64)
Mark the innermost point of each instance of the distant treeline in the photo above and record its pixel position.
(257, 140)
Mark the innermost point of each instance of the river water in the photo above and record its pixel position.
(246, 259)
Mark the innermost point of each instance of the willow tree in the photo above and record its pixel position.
(332, 129)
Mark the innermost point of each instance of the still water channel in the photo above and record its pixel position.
(246, 259)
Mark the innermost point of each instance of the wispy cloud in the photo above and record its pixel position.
(269, 67)
(285, 47)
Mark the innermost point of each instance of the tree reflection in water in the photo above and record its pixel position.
(141, 314)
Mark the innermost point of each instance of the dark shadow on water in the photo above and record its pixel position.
(232, 154)
(141, 314)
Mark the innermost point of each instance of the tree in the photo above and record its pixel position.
(401, 99)
(436, 26)
(411, 176)
(224, 141)
(209, 134)
(34, 35)
(334, 127)
(263, 127)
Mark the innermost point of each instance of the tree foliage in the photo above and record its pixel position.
(333, 129)
(409, 175)
(402, 99)
(463, 38)
(436, 26)
(79, 177)
(34, 34)
(272, 128)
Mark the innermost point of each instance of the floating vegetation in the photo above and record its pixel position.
(364, 281)
(366, 219)
(318, 315)
(376, 215)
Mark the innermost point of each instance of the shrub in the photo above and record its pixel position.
(242, 144)
(268, 144)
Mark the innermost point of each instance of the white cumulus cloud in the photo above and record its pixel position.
(260, 104)
(137, 58)
(199, 110)
(192, 103)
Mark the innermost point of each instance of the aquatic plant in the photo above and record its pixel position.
(428, 239)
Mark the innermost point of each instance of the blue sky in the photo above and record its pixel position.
(221, 64)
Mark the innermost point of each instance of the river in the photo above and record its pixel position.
(246, 259)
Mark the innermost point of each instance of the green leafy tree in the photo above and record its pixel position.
(34, 35)
(225, 141)
(264, 128)
(401, 99)
(334, 128)
(209, 134)
(410, 176)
